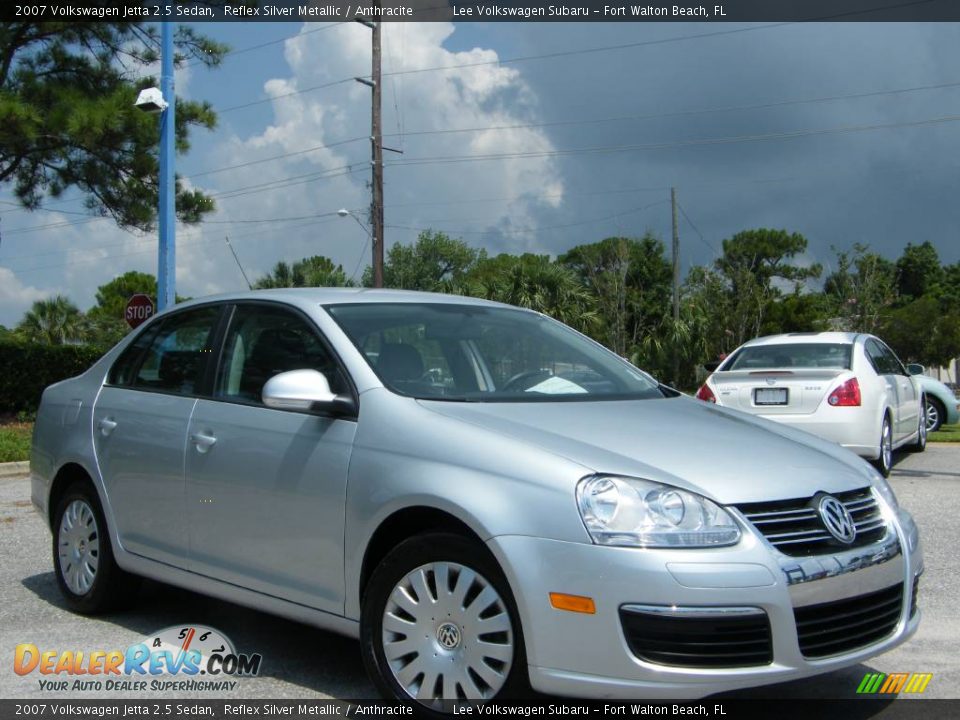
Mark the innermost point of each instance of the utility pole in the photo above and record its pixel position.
(376, 154)
(167, 254)
(676, 284)
(376, 139)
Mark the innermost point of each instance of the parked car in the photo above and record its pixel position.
(943, 406)
(530, 509)
(849, 388)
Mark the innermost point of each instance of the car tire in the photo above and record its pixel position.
(935, 413)
(884, 461)
(920, 444)
(464, 589)
(87, 573)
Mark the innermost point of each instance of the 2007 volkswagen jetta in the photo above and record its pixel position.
(481, 495)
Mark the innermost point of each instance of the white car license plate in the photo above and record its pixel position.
(770, 396)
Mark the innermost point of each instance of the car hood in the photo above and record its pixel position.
(723, 454)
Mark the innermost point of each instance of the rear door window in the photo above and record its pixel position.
(177, 355)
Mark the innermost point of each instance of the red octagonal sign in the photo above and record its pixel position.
(139, 309)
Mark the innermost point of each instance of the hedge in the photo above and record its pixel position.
(26, 369)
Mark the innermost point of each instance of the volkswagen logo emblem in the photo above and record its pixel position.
(448, 635)
(836, 518)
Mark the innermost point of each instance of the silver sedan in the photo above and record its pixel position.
(484, 497)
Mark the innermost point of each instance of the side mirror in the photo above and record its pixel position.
(306, 391)
(916, 369)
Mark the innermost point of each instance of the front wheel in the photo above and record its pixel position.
(87, 574)
(884, 461)
(439, 624)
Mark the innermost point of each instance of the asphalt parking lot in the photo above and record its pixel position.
(301, 662)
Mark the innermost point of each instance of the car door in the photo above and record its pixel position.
(904, 402)
(907, 396)
(266, 487)
(140, 424)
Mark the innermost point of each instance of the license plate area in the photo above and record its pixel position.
(770, 396)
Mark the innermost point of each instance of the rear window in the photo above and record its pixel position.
(802, 355)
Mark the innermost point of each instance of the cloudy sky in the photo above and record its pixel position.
(843, 132)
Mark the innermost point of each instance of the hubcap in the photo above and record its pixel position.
(887, 443)
(447, 634)
(78, 544)
(933, 416)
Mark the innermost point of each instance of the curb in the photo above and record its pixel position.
(13, 469)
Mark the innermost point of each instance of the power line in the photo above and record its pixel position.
(448, 159)
(678, 113)
(251, 48)
(697, 230)
(685, 113)
(199, 241)
(508, 61)
(290, 181)
(535, 230)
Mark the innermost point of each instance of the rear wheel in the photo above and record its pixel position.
(439, 624)
(87, 574)
(935, 413)
(884, 461)
(921, 442)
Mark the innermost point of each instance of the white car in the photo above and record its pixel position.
(846, 387)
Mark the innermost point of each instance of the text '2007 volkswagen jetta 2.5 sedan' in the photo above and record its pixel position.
(481, 495)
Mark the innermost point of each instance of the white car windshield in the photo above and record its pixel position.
(476, 353)
(800, 355)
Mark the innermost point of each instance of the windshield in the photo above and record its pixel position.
(801, 355)
(485, 354)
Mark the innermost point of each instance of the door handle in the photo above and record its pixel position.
(107, 426)
(203, 441)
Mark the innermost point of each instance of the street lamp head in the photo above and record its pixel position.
(343, 212)
(150, 100)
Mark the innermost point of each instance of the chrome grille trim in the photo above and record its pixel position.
(795, 528)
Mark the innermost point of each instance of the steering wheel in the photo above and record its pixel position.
(515, 382)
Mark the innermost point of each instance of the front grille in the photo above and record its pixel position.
(794, 527)
(715, 641)
(845, 625)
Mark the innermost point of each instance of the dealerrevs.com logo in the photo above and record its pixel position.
(178, 658)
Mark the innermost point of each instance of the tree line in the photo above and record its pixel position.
(619, 292)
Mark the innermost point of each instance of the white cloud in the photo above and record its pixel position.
(16, 297)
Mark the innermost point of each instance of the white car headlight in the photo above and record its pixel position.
(641, 513)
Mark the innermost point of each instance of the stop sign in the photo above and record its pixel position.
(139, 308)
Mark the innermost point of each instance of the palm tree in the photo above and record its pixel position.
(55, 321)
(533, 281)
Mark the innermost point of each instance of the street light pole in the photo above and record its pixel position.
(167, 258)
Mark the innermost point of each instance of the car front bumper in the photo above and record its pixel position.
(589, 655)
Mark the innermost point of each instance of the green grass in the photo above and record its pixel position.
(946, 433)
(15, 441)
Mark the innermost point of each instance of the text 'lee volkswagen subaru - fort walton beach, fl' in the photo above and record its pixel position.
(484, 497)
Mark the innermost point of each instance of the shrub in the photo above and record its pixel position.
(26, 369)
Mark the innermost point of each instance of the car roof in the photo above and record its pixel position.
(843, 338)
(340, 295)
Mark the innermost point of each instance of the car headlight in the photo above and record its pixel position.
(641, 513)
